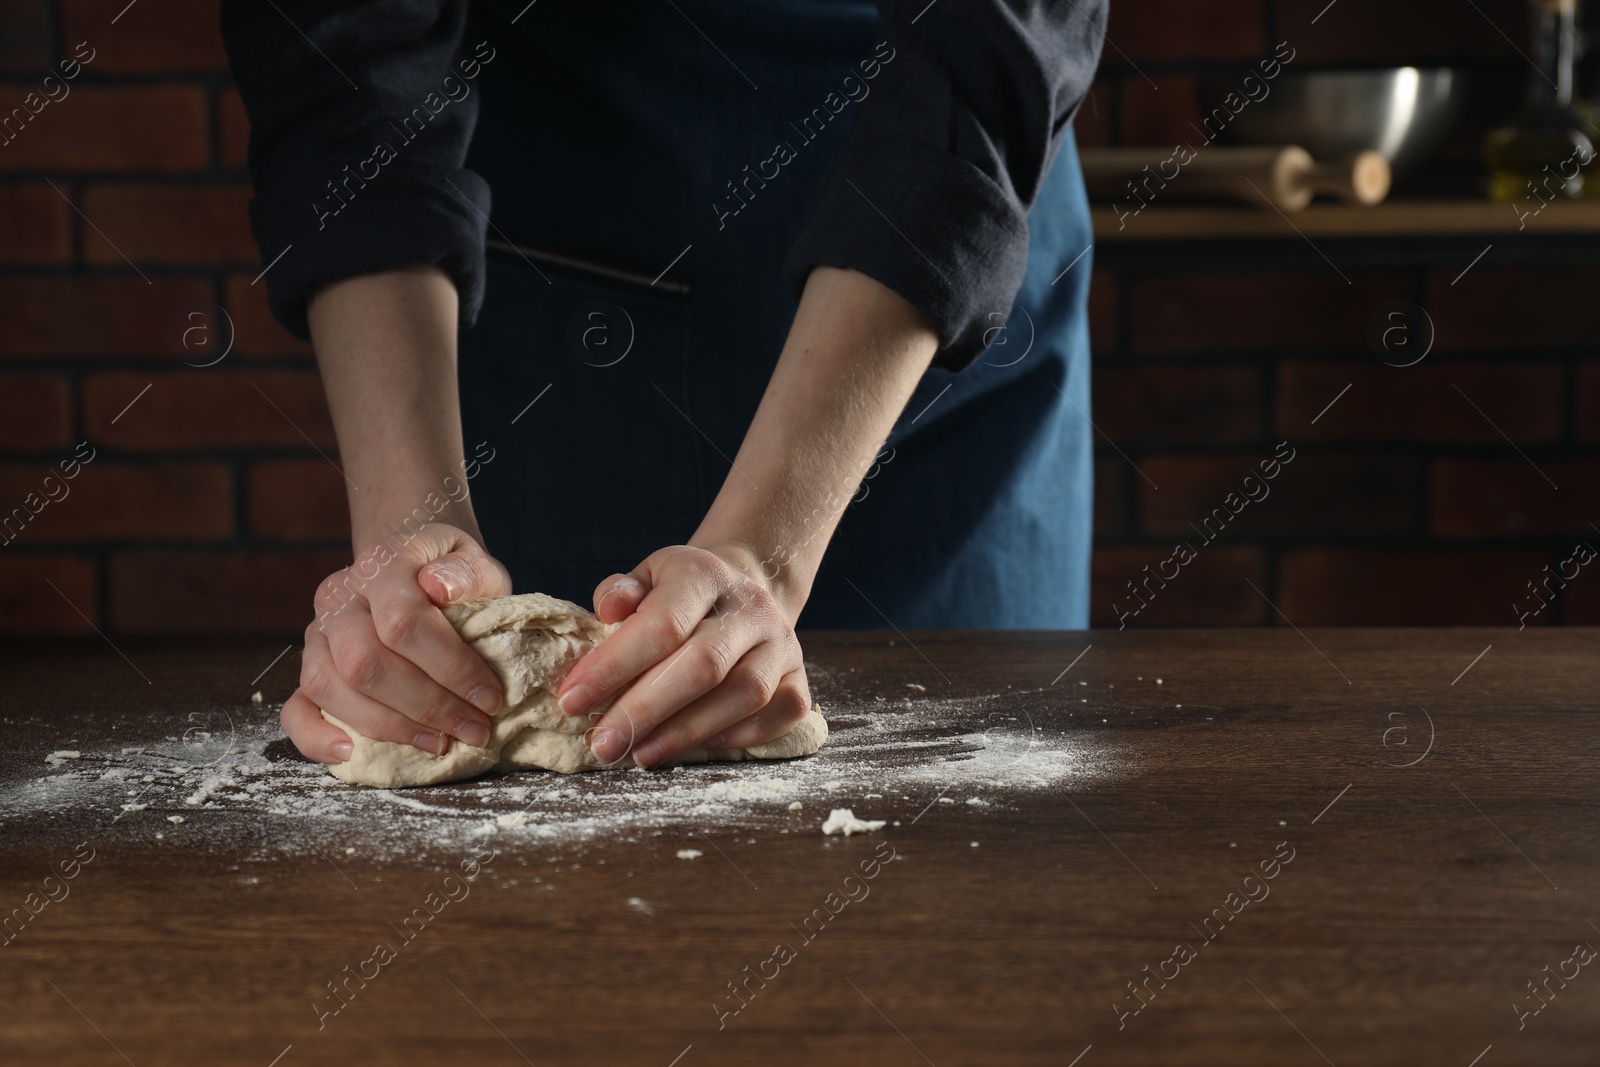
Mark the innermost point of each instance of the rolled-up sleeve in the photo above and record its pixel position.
(931, 191)
(360, 119)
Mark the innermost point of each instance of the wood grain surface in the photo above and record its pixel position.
(1423, 800)
(1395, 218)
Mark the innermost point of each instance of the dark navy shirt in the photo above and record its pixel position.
(362, 114)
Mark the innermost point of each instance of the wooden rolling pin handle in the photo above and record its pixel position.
(1362, 178)
(1285, 176)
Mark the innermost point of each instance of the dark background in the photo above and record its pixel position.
(1404, 504)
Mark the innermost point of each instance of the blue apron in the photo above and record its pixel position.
(632, 322)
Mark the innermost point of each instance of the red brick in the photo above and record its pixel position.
(174, 35)
(121, 316)
(1509, 498)
(217, 592)
(1210, 590)
(233, 129)
(1384, 587)
(1300, 308)
(1092, 123)
(35, 225)
(30, 605)
(1161, 114)
(1102, 311)
(166, 224)
(1112, 497)
(159, 128)
(1168, 403)
(1312, 495)
(297, 500)
(1432, 401)
(1586, 409)
(207, 409)
(24, 36)
(256, 332)
(107, 501)
(1513, 307)
(1166, 31)
(35, 412)
(1414, 32)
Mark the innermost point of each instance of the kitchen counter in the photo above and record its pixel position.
(1176, 847)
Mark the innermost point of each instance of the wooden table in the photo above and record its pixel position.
(1434, 799)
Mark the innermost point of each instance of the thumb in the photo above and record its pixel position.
(618, 597)
(462, 576)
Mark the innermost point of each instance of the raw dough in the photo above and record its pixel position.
(530, 641)
(843, 820)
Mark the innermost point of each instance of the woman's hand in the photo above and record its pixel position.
(382, 657)
(709, 649)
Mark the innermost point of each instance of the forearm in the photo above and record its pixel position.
(386, 345)
(852, 359)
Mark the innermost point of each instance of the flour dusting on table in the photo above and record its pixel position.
(239, 788)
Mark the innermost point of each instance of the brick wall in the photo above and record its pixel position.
(1429, 494)
(126, 265)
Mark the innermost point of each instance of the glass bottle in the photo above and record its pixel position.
(1540, 155)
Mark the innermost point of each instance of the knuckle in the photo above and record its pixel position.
(396, 622)
(317, 679)
(759, 599)
(334, 592)
(705, 665)
(664, 631)
(756, 687)
(360, 666)
(791, 701)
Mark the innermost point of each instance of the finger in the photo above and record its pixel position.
(789, 704)
(618, 597)
(409, 624)
(462, 576)
(315, 737)
(669, 613)
(749, 689)
(372, 669)
(617, 749)
(321, 683)
(700, 666)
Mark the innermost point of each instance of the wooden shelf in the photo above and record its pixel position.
(1397, 218)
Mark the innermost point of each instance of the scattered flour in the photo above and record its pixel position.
(56, 759)
(689, 853)
(752, 789)
(247, 795)
(209, 788)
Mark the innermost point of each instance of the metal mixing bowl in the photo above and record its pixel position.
(1403, 112)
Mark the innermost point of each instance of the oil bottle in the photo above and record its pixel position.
(1541, 154)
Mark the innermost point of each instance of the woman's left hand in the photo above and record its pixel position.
(709, 648)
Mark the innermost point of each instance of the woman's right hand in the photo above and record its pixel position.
(382, 657)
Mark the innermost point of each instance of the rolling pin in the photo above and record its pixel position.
(1284, 175)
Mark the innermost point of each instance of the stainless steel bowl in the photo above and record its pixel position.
(1403, 112)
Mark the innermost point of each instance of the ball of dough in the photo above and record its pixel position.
(530, 641)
